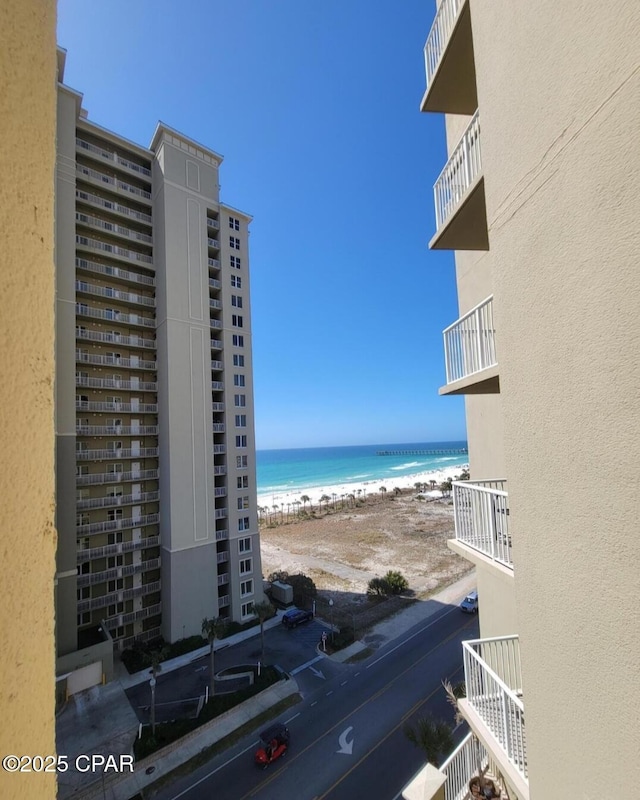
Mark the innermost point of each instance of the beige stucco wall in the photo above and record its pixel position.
(27, 155)
(559, 93)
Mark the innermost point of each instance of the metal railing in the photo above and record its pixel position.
(145, 636)
(124, 571)
(217, 406)
(113, 249)
(110, 205)
(117, 524)
(213, 303)
(438, 38)
(468, 759)
(214, 283)
(114, 549)
(217, 364)
(111, 383)
(97, 455)
(114, 315)
(96, 478)
(110, 156)
(213, 243)
(221, 535)
(216, 344)
(114, 272)
(217, 386)
(221, 470)
(116, 430)
(493, 679)
(143, 613)
(114, 294)
(115, 361)
(469, 344)
(87, 172)
(216, 323)
(218, 427)
(112, 227)
(220, 513)
(116, 500)
(461, 170)
(481, 518)
(213, 223)
(133, 408)
(113, 338)
(214, 263)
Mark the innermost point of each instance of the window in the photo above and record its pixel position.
(235, 262)
(236, 281)
(242, 462)
(234, 223)
(236, 320)
(244, 545)
(246, 609)
(114, 445)
(243, 524)
(114, 469)
(114, 538)
(236, 301)
(234, 242)
(82, 519)
(238, 380)
(246, 587)
(241, 420)
(238, 360)
(83, 470)
(246, 566)
(114, 514)
(238, 340)
(242, 482)
(240, 400)
(84, 569)
(241, 441)
(115, 561)
(243, 502)
(84, 593)
(84, 618)
(114, 491)
(114, 586)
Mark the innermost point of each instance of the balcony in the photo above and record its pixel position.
(213, 223)
(113, 250)
(116, 549)
(217, 386)
(214, 283)
(115, 361)
(116, 338)
(114, 158)
(217, 406)
(98, 455)
(113, 183)
(470, 353)
(481, 519)
(213, 243)
(116, 500)
(83, 287)
(132, 408)
(114, 315)
(92, 578)
(214, 263)
(111, 227)
(494, 707)
(111, 205)
(122, 524)
(97, 478)
(133, 385)
(218, 427)
(221, 535)
(216, 344)
(114, 272)
(449, 62)
(116, 430)
(461, 214)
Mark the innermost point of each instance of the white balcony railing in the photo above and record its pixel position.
(113, 249)
(481, 518)
(116, 500)
(115, 549)
(124, 452)
(110, 205)
(461, 170)
(112, 227)
(217, 386)
(493, 678)
(115, 338)
(214, 263)
(438, 38)
(133, 408)
(468, 759)
(213, 223)
(114, 294)
(96, 478)
(216, 344)
(469, 344)
(112, 383)
(116, 361)
(122, 524)
(114, 315)
(213, 243)
(114, 272)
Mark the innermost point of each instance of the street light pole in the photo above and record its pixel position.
(152, 684)
(331, 616)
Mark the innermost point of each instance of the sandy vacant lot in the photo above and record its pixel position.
(343, 549)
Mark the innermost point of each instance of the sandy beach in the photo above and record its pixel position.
(406, 482)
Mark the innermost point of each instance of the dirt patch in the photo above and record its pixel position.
(342, 549)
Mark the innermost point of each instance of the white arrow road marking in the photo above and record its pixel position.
(200, 669)
(317, 673)
(345, 746)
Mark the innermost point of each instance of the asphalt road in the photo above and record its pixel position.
(347, 736)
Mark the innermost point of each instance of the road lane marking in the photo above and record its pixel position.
(328, 693)
(382, 741)
(368, 700)
(307, 664)
(287, 721)
(315, 703)
(217, 769)
(409, 638)
(344, 683)
(346, 748)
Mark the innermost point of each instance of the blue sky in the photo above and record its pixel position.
(314, 107)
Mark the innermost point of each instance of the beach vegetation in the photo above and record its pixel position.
(392, 583)
(304, 499)
(324, 499)
(464, 475)
(383, 491)
(433, 736)
(304, 589)
(212, 629)
(377, 587)
(446, 487)
(263, 611)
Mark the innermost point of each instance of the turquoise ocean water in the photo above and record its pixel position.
(305, 468)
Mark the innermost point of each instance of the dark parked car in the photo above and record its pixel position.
(296, 616)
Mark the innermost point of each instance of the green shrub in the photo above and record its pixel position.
(304, 589)
(396, 582)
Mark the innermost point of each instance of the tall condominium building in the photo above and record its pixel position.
(540, 200)
(155, 449)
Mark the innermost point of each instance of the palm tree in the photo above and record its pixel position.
(334, 495)
(324, 499)
(397, 491)
(263, 611)
(432, 483)
(296, 507)
(433, 736)
(359, 492)
(383, 491)
(212, 628)
(305, 499)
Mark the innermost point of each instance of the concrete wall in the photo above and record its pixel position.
(27, 153)
(559, 96)
(184, 186)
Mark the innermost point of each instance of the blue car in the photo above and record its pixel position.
(296, 616)
(470, 603)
